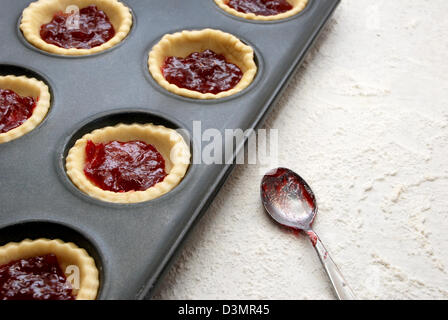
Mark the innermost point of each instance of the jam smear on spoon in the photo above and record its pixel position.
(204, 72)
(37, 278)
(91, 30)
(124, 166)
(14, 110)
(260, 7)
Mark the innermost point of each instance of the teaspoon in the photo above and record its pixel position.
(290, 201)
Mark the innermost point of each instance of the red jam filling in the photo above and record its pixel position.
(124, 166)
(93, 30)
(205, 72)
(38, 278)
(260, 7)
(14, 110)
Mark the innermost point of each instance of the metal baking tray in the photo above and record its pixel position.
(133, 245)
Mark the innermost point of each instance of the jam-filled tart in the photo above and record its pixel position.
(202, 64)
(39, 270)
(264, 10)
(75, 27)
(24, 103)
(128, 163)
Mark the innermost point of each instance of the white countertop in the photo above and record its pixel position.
(365, 122)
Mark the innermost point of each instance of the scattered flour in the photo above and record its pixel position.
(365, 121)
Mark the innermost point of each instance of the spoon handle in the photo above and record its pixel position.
(342, 289)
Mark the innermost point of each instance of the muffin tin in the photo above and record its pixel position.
(133, 244)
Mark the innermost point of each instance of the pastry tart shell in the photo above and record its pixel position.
(182, 44)
(26, 87)
(297, 6)
(68, 254)
(42, 12)
(170, 144)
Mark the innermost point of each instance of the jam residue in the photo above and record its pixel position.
(287, 192)
(37, 278)
(261, 7)
(205, 72)
(93, 30)
(124, 166)
(14, 110)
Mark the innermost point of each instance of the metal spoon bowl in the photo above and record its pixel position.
(290, 201)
